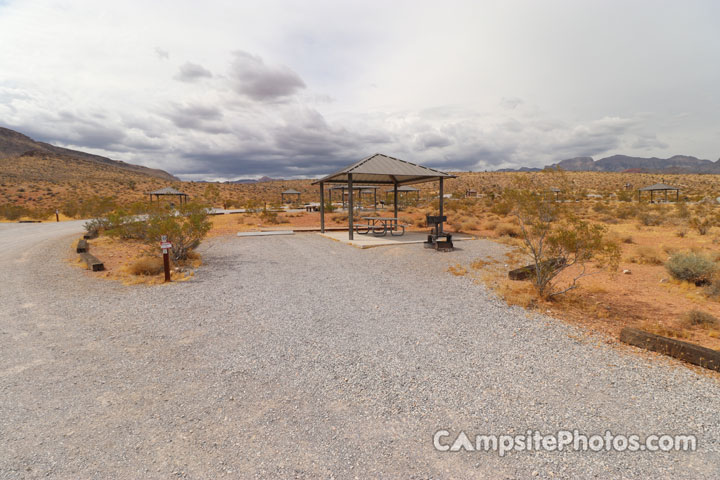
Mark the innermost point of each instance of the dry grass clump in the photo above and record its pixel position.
(647, 255)
(508, 230)
(457, 270)
(479, 264)
(522, 294)
(663, 330)
(698, 318)
(146, 266)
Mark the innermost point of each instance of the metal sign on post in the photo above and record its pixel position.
(165, 246)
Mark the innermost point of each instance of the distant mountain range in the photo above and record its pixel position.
(252, 180)
(57, 162)
(625, 163)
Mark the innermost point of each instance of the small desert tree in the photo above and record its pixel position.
(185, 228)
(555, 239)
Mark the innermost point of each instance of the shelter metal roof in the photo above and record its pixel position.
(167, 191)
(291, 192)
(386, 170)
(658, 186)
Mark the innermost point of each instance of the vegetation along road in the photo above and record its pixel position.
(299, 357)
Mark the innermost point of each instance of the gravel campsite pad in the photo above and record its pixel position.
(300, 357)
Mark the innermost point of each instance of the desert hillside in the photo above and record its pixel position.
(23, 159)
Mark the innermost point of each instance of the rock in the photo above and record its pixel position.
(627, 272)
(663, 280)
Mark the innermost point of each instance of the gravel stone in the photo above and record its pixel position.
(300, 357)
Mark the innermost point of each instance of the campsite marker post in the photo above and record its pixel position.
(165, 245)
(57, 215)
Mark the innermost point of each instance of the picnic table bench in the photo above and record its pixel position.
(379, 226)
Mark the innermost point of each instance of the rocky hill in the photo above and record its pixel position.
(23, 158)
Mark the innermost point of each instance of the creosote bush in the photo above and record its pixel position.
(691, 267)
(557, 240)
(697, 318)
(184, 226)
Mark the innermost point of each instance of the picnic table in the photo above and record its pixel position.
(379, 226)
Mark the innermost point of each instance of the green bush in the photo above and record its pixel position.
(691, 267)
(12, 212)
(184, 227)
(502, 207)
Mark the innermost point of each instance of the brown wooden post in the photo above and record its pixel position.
(57, 215)
(322, 207)
(350, 206)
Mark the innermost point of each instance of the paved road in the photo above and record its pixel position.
(299, 357)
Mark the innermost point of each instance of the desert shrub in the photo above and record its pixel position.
(502, 207)
(95, 225)
(624, 196)
(95, 207)
(270, 217)
(625, 211)
(702, 225)
(600, 207)
(70, 208)
(254, 205)
(682, 210)
(146, 266)
(650, 219)
(556, 240)
(508, 230)
(12, 212)
(697, 318)
(184, 228)
(691, 267)
(647, 255)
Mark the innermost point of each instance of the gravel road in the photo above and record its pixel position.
(300, 357)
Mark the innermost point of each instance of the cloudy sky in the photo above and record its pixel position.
(224, 89)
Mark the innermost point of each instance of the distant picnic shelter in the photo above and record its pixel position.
(183, 197)
(361, 189)
(659, 187)
(379, 169)
(289, 193)
(405, 190)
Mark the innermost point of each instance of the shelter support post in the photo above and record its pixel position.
(322, 207)
(442, 198)
(350, 206)
(395, 192)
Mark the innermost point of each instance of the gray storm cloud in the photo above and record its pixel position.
(192, 72)
(301, 91)
(258, 81)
